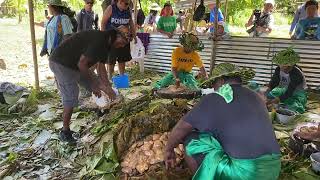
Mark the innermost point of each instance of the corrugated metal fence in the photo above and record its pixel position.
(256, 53)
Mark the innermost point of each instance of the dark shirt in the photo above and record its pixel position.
(295, 81)
(242, 127)
(85, 20)
(93, 44)
(118, 17)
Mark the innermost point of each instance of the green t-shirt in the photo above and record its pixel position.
(167, 23)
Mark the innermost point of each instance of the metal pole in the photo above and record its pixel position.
(214, 47)
(33, 41)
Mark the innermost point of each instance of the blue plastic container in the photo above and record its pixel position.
(121, 81)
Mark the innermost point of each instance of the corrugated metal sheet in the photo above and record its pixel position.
(184, 4)
(250, 52)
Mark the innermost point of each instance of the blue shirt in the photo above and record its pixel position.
(301, 13)
(212, 18)
(118, 17)
(308, 29)
(52, 29)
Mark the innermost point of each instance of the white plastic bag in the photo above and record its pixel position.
(137, 50)
(103, 101)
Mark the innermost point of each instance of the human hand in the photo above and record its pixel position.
(178, 82)
(273, 101)
(290, 33)
(96, 90)
(170, 159)
(170, 35)
(109, 92)
(260, 29)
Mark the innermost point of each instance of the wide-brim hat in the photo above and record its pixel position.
(191, 41)
(286, 57)
(269, 2)
(57, 3)
(229, 70)
(155, 7)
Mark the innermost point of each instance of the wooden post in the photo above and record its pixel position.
(214, 46)
(33, 41)
(135, 11)
(226, 11)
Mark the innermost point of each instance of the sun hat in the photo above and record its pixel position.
(269, 2)
(191, 41)
(229, 70)
(57, 3)
(155, 7)
(286, 57)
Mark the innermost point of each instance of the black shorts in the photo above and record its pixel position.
(121, 55)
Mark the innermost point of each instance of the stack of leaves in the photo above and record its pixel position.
(143, 154)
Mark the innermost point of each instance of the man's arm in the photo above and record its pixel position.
(203, 72)
(106, 17)
(250, 21)
(177, 135)
(275, 80)
(133, 30)
(83, 66)
(78, 21)
(295, 20)
(103, 75)
(105, 85)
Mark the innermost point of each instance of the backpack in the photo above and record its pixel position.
(71, 14)
(199, 12)
(140, 16)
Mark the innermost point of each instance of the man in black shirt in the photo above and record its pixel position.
(73, 58)
(227, 131)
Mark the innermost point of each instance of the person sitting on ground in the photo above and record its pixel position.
(73, 58)
(86, 18)
(228, 134)
(213, 8)
(300, 14)
(152, 19)
(262, 26)
(167, 23)
(183, 60)
(288, 83)
(309, 28)
(118, 14)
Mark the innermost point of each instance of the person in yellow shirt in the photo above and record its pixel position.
(183, 60)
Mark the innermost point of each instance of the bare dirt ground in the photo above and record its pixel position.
(16, 51)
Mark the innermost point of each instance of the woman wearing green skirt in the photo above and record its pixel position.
(183, 60)
(228, 134)
(288, 83)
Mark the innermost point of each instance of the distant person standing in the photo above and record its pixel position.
(86, 18)
(57, 28)
(167, 23)
(213, 8)
(300, 14)
(309, 28)
(261, 22)
(118, 14)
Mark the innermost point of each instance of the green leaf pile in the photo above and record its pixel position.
(286, 57)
